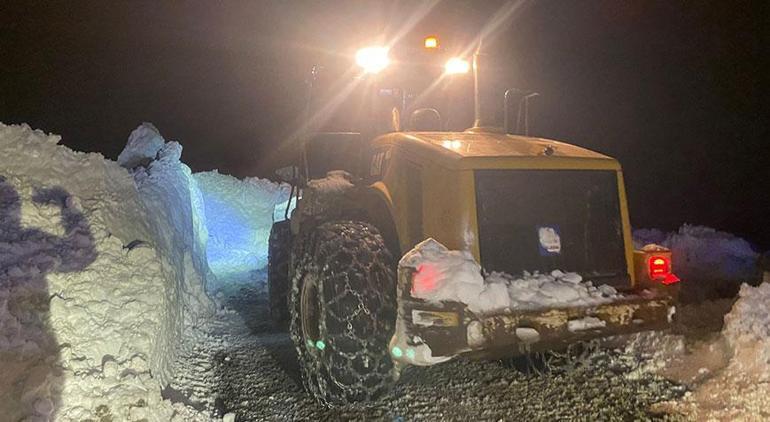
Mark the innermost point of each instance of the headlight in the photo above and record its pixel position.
(372, 59)
(430, 42)
(456, 65)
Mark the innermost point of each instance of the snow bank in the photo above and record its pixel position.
(93, 296)
(704, 253)
(444, 275)
(740, 391)
(239, 216)
(748, 325)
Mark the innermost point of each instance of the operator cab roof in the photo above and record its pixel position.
(471, 149)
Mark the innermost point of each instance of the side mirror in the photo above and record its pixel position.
(288, 174)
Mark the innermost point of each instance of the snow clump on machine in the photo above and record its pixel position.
(444, 275)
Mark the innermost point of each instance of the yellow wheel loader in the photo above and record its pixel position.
(515, 204)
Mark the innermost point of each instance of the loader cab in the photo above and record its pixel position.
(327, 151)
(404, 87)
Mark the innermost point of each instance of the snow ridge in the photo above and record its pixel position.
(700, 252)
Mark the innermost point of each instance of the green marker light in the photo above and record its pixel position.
(320, 345)
(410, 353)
(396, 351)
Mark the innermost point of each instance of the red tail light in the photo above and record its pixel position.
(424, 279)
(659, 266)
(660, 269)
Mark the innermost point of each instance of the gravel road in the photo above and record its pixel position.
(242, 365)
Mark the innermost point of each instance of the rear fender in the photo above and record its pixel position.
(378, 208)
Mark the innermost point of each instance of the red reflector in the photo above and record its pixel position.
(670, 279)
(424, 279)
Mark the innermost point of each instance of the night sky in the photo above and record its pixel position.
(676, 90)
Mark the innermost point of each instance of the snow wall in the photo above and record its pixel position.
(239, 216)
(99, 278)
(704, 253)
(174, 211)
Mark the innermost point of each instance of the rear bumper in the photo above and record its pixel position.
(429, 333)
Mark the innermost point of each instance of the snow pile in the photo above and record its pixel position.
(93, 297)
(748, 325)
(741, 390)
(444, 275)
(239, 216)
(704, 253)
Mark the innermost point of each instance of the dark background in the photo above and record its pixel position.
(676, 90)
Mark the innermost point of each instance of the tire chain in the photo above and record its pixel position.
(356, 284)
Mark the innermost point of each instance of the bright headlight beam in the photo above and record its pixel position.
(456, 65)
(372, 59)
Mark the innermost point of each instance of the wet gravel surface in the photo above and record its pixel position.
(253, 373)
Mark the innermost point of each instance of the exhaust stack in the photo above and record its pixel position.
(488, 101)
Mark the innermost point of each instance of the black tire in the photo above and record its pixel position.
(278, 259)
(343, 313)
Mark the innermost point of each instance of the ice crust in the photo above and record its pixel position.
(99, 279)
(700, 252)
(458, 277)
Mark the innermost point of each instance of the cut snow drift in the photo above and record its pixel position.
(94, 295)
(444, 275)
(239, 216)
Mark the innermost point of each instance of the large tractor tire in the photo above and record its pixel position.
(278, 260)
(343, 312)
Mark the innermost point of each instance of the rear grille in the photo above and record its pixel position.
(551, 219)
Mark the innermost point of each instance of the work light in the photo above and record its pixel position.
(372, 59)
(456, 65)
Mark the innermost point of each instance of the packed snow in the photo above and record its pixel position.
(700, 252)
(143, 146)
(444, 275)
(173, 208)
(94, 296)
(728, 374)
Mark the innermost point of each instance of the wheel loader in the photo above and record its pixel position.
(516, 204)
